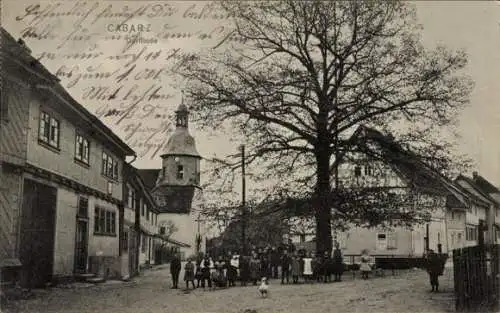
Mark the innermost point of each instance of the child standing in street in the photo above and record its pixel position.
(189, 274)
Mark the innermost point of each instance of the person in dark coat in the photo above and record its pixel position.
(175, 270)
(285, 263)
(326, 268)
(275, 262)
(244, 270)
(434, 268)
(338, 263)
(205, 272)
(198, 274)
(264, 265)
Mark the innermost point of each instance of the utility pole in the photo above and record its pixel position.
(243, 200)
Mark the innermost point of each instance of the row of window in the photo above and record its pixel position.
(145, 242)
(134, 202)
(49, 133)
(104, 218)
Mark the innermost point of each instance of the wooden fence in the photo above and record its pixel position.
(476, 271)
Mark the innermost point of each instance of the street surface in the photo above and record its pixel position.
(408, 291)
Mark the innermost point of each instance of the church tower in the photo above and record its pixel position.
(177, 191)
(180, 159)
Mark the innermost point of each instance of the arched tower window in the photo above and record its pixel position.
(180, 172)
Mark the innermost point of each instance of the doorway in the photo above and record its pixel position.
(82, 237)
(37, 231)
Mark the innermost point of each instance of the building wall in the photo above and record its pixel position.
(65, 233)
(358, 239)
(10, 208)
(67, 207)
(98, 244)
(146, 250)
(63, 161)
(456, 229)
(13, 127)
(186, 230)
(191, 166)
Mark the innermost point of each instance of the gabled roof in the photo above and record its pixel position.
(476, 188)
(479, 198)
(406, 163)
(149, 177)
(173, 241)
(19, 53)
(484, 184)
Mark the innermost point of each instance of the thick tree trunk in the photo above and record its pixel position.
(323, 207)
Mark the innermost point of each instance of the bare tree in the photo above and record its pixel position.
(168, 228)
(296, 78)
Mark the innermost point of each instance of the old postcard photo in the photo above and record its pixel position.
(249, 156)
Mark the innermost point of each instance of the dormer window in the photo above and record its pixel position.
(180, 172)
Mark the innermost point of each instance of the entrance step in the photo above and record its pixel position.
(95, 280)
(83, 276)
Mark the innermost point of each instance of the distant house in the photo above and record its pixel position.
(61, 176)
(396, 171)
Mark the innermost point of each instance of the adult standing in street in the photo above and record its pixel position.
(435, 268)
(338, 263)
(205, 272)
(326, 268)
(175, 270)
(285, 267)
(275, 262)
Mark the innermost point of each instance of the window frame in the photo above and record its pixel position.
(180, 171)
(49, 130)
(104, 221)
(109, 166)
(124, 241)
(81, 157)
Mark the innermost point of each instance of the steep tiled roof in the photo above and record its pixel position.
(149, 177)
(405, 162)
(484, 184)
(18, 52)
(476, 192)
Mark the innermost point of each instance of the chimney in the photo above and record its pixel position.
(474, 174)
(22, 43)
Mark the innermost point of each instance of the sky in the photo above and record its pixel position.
(473, 26)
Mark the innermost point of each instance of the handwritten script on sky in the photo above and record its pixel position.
(119, 58)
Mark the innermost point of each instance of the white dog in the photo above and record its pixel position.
(264, 287)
